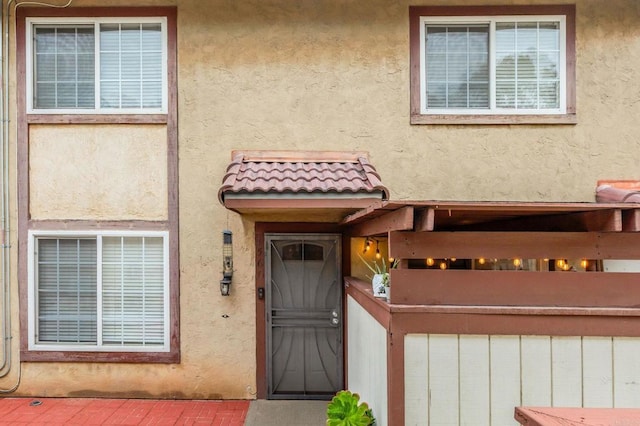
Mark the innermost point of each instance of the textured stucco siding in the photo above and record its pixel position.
(105, 172)
(306, 75)
(335, 75)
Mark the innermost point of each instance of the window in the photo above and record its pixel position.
(98, 66)
(513, 62)
(104, 292)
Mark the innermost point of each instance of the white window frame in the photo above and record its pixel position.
(491, 21)
(98, 347)
(30, 52)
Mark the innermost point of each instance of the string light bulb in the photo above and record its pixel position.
(482, 261)
(430, 261)
(584, 263)
(367, 245)
(517, 262)
(560, 263)
(378, 255)
(443, 265)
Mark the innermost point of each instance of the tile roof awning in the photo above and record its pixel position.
(300, 180)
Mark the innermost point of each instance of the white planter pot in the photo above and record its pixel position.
(377, 285)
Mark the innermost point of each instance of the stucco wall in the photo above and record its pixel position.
(105, 172)
(334, 75)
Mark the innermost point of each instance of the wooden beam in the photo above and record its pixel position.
(624, 245)
(631, 220)
(425, 220)
(590, 221)
(398, 220)
(376, 209)
(600, 220)
(506, 245)
(514, 288)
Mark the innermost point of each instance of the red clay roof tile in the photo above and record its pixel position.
(278, 172)
(618, 191)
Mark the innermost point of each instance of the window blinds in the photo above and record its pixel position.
(132, 291)
(64, 67)
(130, 66)
(458, 66)
(527, 65)
(123, 296)
(67, 290)
(525, 73)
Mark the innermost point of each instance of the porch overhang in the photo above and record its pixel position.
(386, 216)
(323, 185)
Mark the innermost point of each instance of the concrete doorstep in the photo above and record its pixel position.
(286, 413)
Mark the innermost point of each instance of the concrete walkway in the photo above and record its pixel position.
(286, 413)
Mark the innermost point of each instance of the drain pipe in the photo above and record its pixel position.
(5, 283)
(5, 221)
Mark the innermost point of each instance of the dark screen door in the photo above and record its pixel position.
(304, 315)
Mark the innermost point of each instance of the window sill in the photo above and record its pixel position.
(172, 357)
(494, 119)
(97, 118)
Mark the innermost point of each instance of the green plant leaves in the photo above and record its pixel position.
(373, 265)
(345, 409)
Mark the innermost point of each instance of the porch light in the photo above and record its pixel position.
(227, 263)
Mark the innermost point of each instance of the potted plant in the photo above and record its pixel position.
(380, 277)
(381, 280)
(345, 409)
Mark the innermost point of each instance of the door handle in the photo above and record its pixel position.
(335, 318)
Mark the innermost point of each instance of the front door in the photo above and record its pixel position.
(303, 315)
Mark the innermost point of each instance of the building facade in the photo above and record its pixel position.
(136, 134)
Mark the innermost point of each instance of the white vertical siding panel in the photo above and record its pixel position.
(443, 380)
(505, 378)
(474, 381)
(566, 370)
(626, 365)
(367, 358)
(597, 371)
(536, 370)
(357, 361)
(416, 379)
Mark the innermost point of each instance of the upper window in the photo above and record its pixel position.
(97, 66)
(104, 292)
(490, 65)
